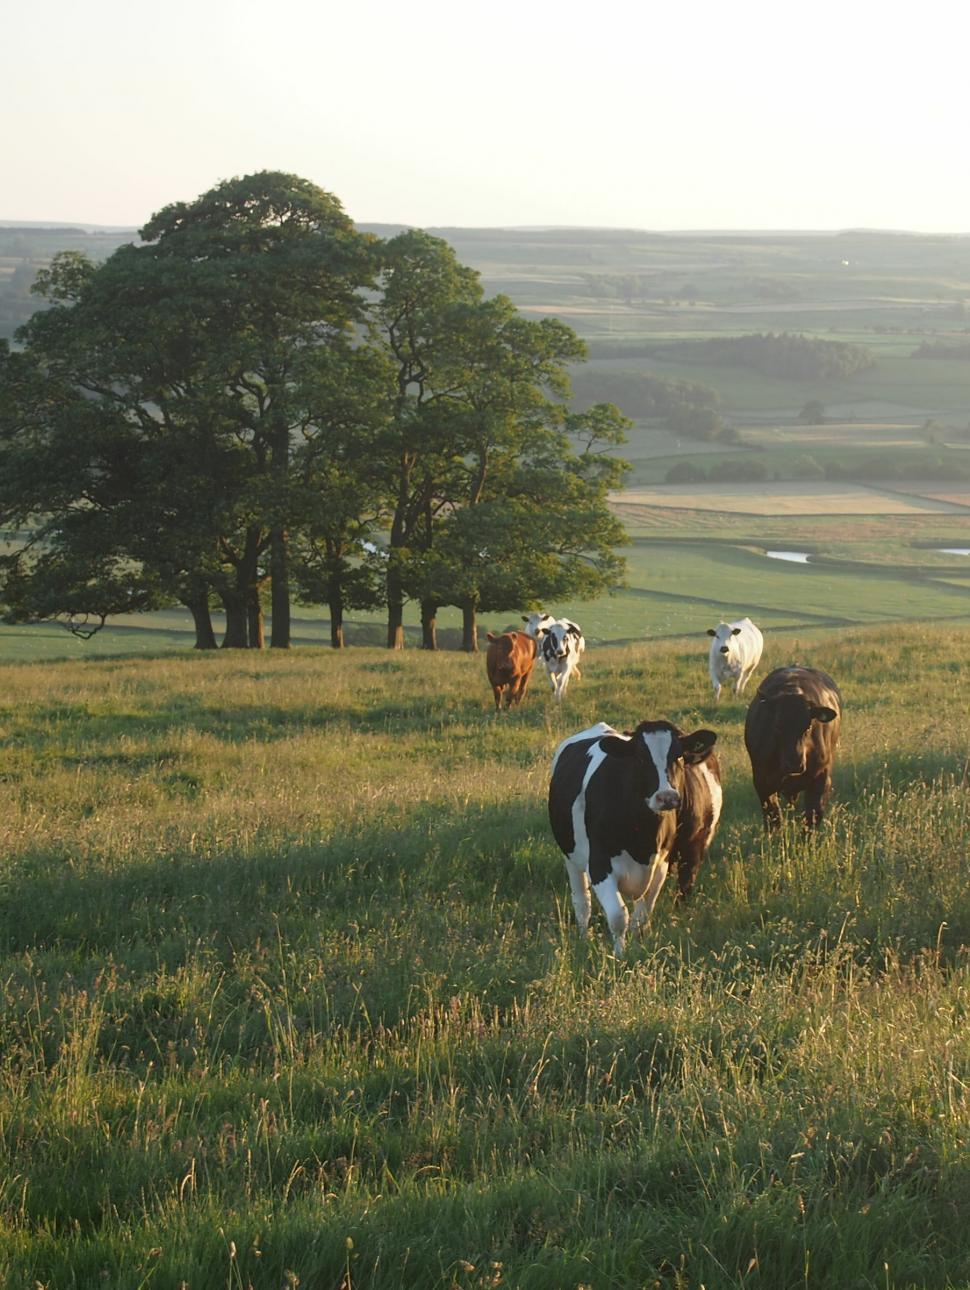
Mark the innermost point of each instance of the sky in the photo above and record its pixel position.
(680, 115)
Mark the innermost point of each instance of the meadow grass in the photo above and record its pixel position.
(291, 992)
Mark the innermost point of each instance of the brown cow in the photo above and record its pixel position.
(790, 732)
(509, 661)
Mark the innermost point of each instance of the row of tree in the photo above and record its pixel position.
(788, 355)
(257, 398)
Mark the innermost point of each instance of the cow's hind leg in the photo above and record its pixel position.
(689, 861)
(643, 907)
(518, 693)
(579, 890)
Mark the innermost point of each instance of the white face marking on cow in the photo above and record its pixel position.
(665, 797)
(537, 624)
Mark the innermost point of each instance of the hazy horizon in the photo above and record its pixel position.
(527, 116)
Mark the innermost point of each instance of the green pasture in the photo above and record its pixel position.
(897, 385)
(685, 569)
(292, 994)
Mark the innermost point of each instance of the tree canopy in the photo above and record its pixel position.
(258, 396)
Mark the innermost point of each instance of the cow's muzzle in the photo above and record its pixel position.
(724, 649)
(668, 800)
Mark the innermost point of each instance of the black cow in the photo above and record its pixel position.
(790, 732)
(623, 806)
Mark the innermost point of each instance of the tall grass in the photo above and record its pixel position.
(291, 992)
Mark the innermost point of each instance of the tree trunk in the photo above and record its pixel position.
(280, 592)
(469, 626)
(237, 633)
(395, 609)
(429, 624)
(256, 631)
(244, 613)
(205, 637)
(336, 621)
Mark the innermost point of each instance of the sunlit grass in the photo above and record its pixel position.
(290, 987)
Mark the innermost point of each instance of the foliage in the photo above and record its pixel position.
(199, 352)
(790, 357)
(687, 407)
(943, 349)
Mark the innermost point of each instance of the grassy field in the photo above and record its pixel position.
(291, 994)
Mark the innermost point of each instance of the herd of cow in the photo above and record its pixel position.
(624, 806)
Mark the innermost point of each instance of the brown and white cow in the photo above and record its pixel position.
(623, 806)
(790, 731)
(509, 660)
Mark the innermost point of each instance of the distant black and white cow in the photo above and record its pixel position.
(735, 653)
(560, 649)
(537, 624)
(790, 731)
(623, 806)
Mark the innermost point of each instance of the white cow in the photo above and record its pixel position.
(537, 624)
(560, 649)
(735, 653)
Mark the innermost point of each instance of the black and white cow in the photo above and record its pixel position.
(560, 649)
(623, 806)
(537, 624)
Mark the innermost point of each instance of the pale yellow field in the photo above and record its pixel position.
(822, 498)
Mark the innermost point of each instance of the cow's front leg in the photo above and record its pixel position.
(579, 890)
(770, 810)
(617, 918)
(717, 691)
(816, 800)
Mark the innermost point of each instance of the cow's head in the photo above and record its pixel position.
(793, 718)
(537, 624)
(557, 640)
(723, 635)
(661, 751)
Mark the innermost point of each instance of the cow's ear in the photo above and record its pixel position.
(696, 746)
(736, 631)
(614, 746)
(525, 618)
(711, 631)
(823, 714)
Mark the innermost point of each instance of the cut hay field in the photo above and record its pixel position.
(291, 993)
(803, 498)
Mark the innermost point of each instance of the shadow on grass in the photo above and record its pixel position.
(240, 723)
(436, 871)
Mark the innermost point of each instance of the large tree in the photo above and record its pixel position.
(422, 290)
(205, 342)
(479, 392)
